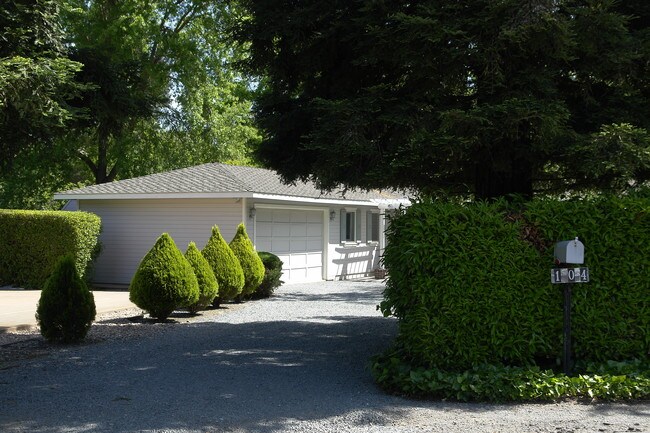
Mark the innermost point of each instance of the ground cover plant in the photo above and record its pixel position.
(208, 286)
(66, 308)
(226, 267)
(250, 262)
(470, 285)
(31, 243)
(164, 280)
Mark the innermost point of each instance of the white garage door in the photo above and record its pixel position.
(296, 237)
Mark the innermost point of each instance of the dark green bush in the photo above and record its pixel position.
(610, 314)
(66, 308)
(250, 262)
(208, 287)
(470, 284)
(31, 242)
(272, 273)
(164, 280)
(226, 267)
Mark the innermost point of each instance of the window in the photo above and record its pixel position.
(372, 226)
(350, 225)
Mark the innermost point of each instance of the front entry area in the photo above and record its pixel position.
(296, 237)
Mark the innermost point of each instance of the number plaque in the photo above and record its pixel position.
(569, 275)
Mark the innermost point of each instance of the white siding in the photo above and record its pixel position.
(131, 227)
(350, 260)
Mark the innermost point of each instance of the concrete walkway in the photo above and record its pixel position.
(18, 307)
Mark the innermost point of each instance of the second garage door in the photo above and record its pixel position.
(296, 237)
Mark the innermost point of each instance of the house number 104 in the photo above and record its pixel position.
(569, 275)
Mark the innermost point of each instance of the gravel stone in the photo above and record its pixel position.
(297, 362)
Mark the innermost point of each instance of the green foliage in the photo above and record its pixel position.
(272, 274)
(485, 382)
(251, 263)
(502, 98)
(164, 280)
(225, 265)
(31, 242)
(37, 80)
(85, 93)
(610, 317)
(208, 287)
(66, 308)
(470, 283)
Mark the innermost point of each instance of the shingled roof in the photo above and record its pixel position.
(217, 179)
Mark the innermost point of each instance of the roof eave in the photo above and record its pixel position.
(224, 195)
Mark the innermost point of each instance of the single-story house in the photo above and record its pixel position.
(318, 235)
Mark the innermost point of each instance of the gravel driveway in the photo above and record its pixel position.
(294, 363)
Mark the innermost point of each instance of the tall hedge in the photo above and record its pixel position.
(470, 283)
(225, 265)
(251, 263)
(164, 280)
(31, 242)
(208, 286)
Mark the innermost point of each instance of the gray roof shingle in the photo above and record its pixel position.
(221, 178)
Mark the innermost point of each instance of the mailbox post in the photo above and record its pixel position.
(568, 253)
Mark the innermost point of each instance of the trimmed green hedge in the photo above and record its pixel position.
(31, 242)
(250, 262)
(470, 284)
(272, 273)
(164, 280)
(226, 267)
(208, 286)
(66, 308)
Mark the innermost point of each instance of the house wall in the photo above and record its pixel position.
(351, 260)
(131, 227)
(345, 260)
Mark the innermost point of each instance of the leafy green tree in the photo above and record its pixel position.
(155, 83)
(66, 308)
(250, 262)
(208, 287)
(165, 90)
(481, 97)
(164, 280)
(37, 79)
(226, 267)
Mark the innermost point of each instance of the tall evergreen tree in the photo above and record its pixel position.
(483, 97)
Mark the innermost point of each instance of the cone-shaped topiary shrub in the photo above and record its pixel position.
(250, 262)
(164, 280)
(66, 308)
(272, 274)
(208, 287)
(226, 267)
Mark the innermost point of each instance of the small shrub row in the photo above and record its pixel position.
(499, 383)
(31, 243)
(167, 280)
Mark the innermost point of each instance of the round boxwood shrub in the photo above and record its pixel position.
(164, 280)
(226, 267)
(208, 287)
(66, 308)
(250, 262)
(272, 274)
